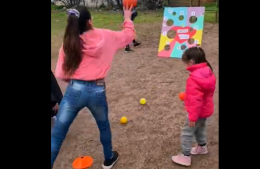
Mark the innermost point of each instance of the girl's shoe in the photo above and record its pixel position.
(182, 160)
(137, 44)
(199, 150)
(128, 49)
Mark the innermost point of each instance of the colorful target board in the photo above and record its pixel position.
(181, 29)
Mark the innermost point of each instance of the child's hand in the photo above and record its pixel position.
(56, 108)
(184, 108)
(192, 124)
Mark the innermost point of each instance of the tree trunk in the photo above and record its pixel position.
(96, 3)
(151, 4)
(119, 4)
(71, 3)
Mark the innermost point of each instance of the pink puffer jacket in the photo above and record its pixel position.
(200, 89)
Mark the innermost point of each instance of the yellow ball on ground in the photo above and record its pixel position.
(142, 101)
(123, 120)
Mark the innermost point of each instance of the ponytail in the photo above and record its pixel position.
(209, 66)
(72, 46)
(203, 57)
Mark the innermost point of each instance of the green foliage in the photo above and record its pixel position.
(102, 6)
(55, 7)
(211, 6)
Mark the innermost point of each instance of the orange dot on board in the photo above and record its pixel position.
(129, 3)
(182, 96)
(82, 162)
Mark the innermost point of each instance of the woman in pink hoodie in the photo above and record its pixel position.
(84, 61)
(199, 104)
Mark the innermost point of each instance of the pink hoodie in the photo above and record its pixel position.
(100, 45)
(200, 89)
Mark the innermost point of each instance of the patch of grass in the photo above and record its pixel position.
(58, 21)
(55, 7)
(107, 20)
(210, 16)
(110, 20)
(211, 7)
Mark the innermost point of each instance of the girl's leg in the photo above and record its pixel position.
(132, 18)
(200, 132)
(53, 119)
(128, 49)
(99, 108)
(186, 143)
(68, 110)
(134, 15)
(53, 113)
(200, 135)
(186, 138)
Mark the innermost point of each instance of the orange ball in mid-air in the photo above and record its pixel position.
(182, 96)
(128, 3)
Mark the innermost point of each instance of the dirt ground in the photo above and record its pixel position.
(152, 135)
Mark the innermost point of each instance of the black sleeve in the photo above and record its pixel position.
(55, 89)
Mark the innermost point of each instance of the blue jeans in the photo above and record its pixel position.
(82, 94)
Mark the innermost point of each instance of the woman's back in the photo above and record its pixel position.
(98, 46)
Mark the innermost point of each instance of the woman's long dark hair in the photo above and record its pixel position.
(196, 54)
(77, 23)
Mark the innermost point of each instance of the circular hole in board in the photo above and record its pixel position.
(193, 19)
(183, 47)
(191, 41)
(191, 29)
(169, 22)
(174, 13)
(181, 17)
(171, 34)
(167, 47)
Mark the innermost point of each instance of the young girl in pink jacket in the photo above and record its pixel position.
(199, 104)
(84, 61)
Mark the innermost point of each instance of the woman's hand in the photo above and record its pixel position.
(128, 12)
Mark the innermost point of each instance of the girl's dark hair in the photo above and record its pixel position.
(77, 23)
(196, 54)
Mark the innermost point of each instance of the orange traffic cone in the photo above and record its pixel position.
(82, 162)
